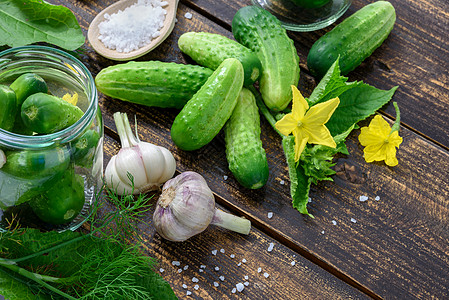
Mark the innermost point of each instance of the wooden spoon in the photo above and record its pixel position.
(101, 49)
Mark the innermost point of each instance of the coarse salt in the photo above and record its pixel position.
(282, 182)
(334, 222)
(270, 247)
(222, 250)
(232, 255)
(214, 252)
(184, 286)
(134, 27)
(266, 275)
(200, 270)
(293, 263)
(246, 283)
(309, 200)
(225, 177)
(194, 279)
(203, 266)
(246, 277)
(216, 284)
(188, 15)
(217, 269)
(234, 290)
(196, 287)
(363, 198)
(186, 267)
(239, 264)
(221, 278)
(179, 270)
(239, 287)
(270, 215)
(322, 232)
(353, 220)
(244, 261)
(176, 263)
(188, 293)
(377, 198)
(259, 270)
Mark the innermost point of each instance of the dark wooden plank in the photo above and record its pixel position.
(397, 245)
(214, 247)
(414, 57)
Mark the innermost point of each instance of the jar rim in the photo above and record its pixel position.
(40, 141)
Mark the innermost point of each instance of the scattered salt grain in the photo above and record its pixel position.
(225, 177)
(244, 261)
(293, 263)
(266, 275)
(282, 182)
(186, 267)
(176, 263)
(309, 200)
(221, 278)
(194, 279)
(363, 198)
(222, 250)
(246, 277)
(270, 247)
(203, 266)
(188, 293)
(232, 255)
(322, 232)
(184, 286)
(270, 215)
(188, 15)
(179, 270)
(334, 222)
(217, 269)
(377, 198)
(214, 252)
(161, 270)
(200, 270)
(259, 270)
(353, 220)
(239, 287)
(246, 283)
(216, 284)
(234, 290)
(134, 27)
(196, 287)
(239, 264)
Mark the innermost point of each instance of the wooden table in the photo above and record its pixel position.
(394, 248)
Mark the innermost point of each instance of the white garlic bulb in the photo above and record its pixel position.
(139, 166)
(186, 207)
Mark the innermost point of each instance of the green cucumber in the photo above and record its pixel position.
(260, 31)
(8, 107)
(24, 86)
(210, 49)
(84, 147)
(152, 83)
(353, 40)
(44, 113)
(310, 3)
(246, 157)
(206, 113)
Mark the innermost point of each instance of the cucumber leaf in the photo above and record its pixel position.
(24, 22)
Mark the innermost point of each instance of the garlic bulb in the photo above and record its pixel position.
(2, 158)
(147, 165)
(187, 206)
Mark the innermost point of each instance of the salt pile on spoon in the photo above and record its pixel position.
(134, 27)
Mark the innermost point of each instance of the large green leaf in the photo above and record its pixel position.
(23, 22)
(13, 289)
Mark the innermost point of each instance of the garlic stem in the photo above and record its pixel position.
(127, 138)
(231, 222)
(2, 158)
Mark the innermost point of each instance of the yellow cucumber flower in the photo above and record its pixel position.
(380, 140)
(72, 99)
(307, 125)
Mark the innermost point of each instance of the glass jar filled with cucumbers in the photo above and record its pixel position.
(51, 139)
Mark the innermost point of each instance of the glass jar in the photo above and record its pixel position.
(305, 15)
(50, 181)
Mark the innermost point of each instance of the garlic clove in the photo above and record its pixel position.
(113, 180)
(129, 160)
(170, 165)
(153, 162)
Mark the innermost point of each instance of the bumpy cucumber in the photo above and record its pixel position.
(210, 49)
(44, 113)
(353, 40)
(24, 86)
(83, 148)
(310, 3)
(246, 156)
(8, 107)
(261, 32)
(205, 114)
(152, 83)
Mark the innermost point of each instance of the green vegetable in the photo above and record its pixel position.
(152, 83)
(24, 86)
(244, 152)
(210, 49)
(62, 202)
(261, 32)
(8, 107)
(310, 3)
(71, 265)
(31, 21)
(44, 113)
(206, 113)
(357, 102)
(83, 148)
(352, 40)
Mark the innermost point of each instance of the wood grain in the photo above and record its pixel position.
(395, 247)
